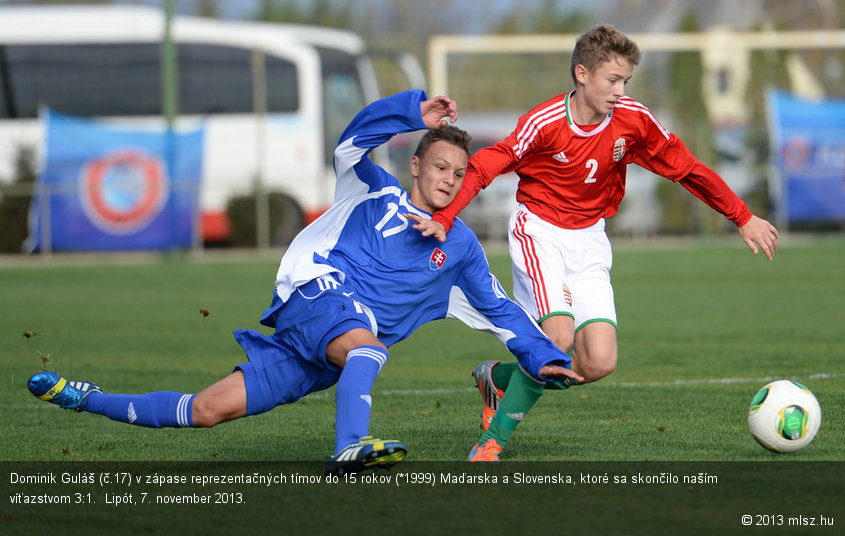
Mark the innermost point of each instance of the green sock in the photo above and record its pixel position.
(502, 373)
(521, 395)
(560, 385)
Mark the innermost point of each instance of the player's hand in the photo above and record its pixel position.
(557, 372)
(436, 110)
(428, 227)
(759, 232)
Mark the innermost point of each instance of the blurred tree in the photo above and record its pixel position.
(547, 18)
(275, 11)
(209, 8)
(516, 82)
(768, 70)
(317, 12)
(681, 213)
(14, 209)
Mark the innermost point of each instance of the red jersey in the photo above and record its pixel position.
(571, 176)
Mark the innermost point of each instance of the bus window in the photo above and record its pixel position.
(7, 102)
(125, 79)
(215, 79)
(105, 62)
(343, 96)
(282, 85)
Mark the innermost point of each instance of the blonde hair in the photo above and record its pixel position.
(599, 45)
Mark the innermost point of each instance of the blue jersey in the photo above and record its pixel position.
(405, 279)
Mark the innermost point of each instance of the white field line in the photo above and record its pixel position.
(445, 391)
(718, 381)
(675, 383)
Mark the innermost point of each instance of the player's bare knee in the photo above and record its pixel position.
(600, 370)
(203, 415)
(596, 366)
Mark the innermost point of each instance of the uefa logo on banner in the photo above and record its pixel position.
(796, 153)
(123, 191)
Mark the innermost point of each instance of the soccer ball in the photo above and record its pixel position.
(784, 416)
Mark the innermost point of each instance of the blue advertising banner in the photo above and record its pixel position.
(808, 142)
(104, 188)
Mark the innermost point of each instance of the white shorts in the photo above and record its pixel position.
(559, 271)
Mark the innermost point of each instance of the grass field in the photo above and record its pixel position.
(702, 326)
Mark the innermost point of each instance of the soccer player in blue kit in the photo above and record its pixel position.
(356, 281)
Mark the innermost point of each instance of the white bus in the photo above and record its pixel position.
(105, 62)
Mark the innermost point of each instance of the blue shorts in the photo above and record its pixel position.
(290, 363)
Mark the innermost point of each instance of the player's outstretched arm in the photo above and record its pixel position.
(436, 109)
(428, 227)
(759, 232)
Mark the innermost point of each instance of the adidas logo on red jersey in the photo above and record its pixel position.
(561, 157)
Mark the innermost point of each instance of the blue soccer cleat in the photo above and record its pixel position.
(53, 388)
(368, 453)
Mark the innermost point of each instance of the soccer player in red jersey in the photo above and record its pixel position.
(570, 154)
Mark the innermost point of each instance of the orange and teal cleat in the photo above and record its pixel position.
(488, 452)
(490, 394)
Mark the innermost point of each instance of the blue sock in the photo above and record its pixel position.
(154, 410)
(352, 396)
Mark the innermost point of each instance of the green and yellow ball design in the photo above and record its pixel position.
(792, 422)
